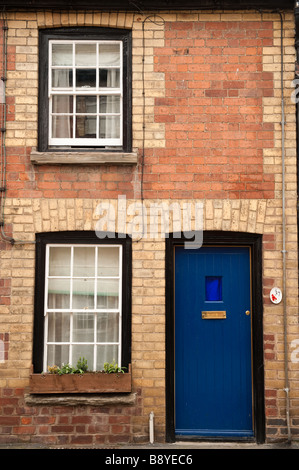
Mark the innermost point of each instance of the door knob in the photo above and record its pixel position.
(247, 312)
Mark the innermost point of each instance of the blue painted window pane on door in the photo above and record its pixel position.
(214, 288)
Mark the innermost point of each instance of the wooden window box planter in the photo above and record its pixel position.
(89, 382)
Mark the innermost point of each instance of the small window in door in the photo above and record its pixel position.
(213, 288)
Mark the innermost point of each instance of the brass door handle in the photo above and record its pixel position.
(247, 312)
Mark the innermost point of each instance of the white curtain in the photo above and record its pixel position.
(61, 104)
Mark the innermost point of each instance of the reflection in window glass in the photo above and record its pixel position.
(106, 353)
(109, 104)
(84, 261)
(86, 104)
(60, 261)
(62, 54)
(58, 354)
(59, 293)
(109, 54)
(58, 327)
(109, 127)
(82, 350)
(85, 54)
(83, 293)
(108, 261)
(83, 327)
(86, 127)
(107, 327)
(107, 293)
(62, 104)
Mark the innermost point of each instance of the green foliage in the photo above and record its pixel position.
(53, 369)
(82, 365)
(113, 368)
(68, 369)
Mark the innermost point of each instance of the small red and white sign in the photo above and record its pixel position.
(275, 295)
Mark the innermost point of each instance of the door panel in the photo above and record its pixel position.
(213, 377)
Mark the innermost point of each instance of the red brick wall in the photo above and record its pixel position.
(65, 181)
(213, 112)
(214, 129)
(63, 425)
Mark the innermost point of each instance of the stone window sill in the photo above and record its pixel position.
(88, 399)
(83, 158)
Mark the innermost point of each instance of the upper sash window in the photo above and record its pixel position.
(84, 92)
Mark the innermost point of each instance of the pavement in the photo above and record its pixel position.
(157, 447)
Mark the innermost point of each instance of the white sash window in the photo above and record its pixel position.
(85, 86)
(82, 311)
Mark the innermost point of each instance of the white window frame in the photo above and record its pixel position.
(97, 91)
(94, 310)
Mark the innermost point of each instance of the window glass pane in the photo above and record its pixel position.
(109, 127)
(86, 127)
(106, 353)
(108, 261)
(62, 78)
(213, 288)
(59, 293)
(85, 78)
(58, 327)
(83, 350)
(107, 327)
(86, 104)
(57, 355)
(109, 104)
(62, 54)
(109, 54)
(109, 78)
(83, 293)
(84, 261)
(85, 54)
(60, 261)
(62, 127)
(83, 327)
(107, 293)
(62, 104)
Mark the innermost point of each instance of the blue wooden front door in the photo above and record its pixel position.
(213, 376)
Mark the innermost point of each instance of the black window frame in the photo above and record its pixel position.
(79, 33)
(77, 238)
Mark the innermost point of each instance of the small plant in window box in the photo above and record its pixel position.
(69, 379)
(113, 368)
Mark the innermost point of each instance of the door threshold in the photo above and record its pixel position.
(194, 439)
